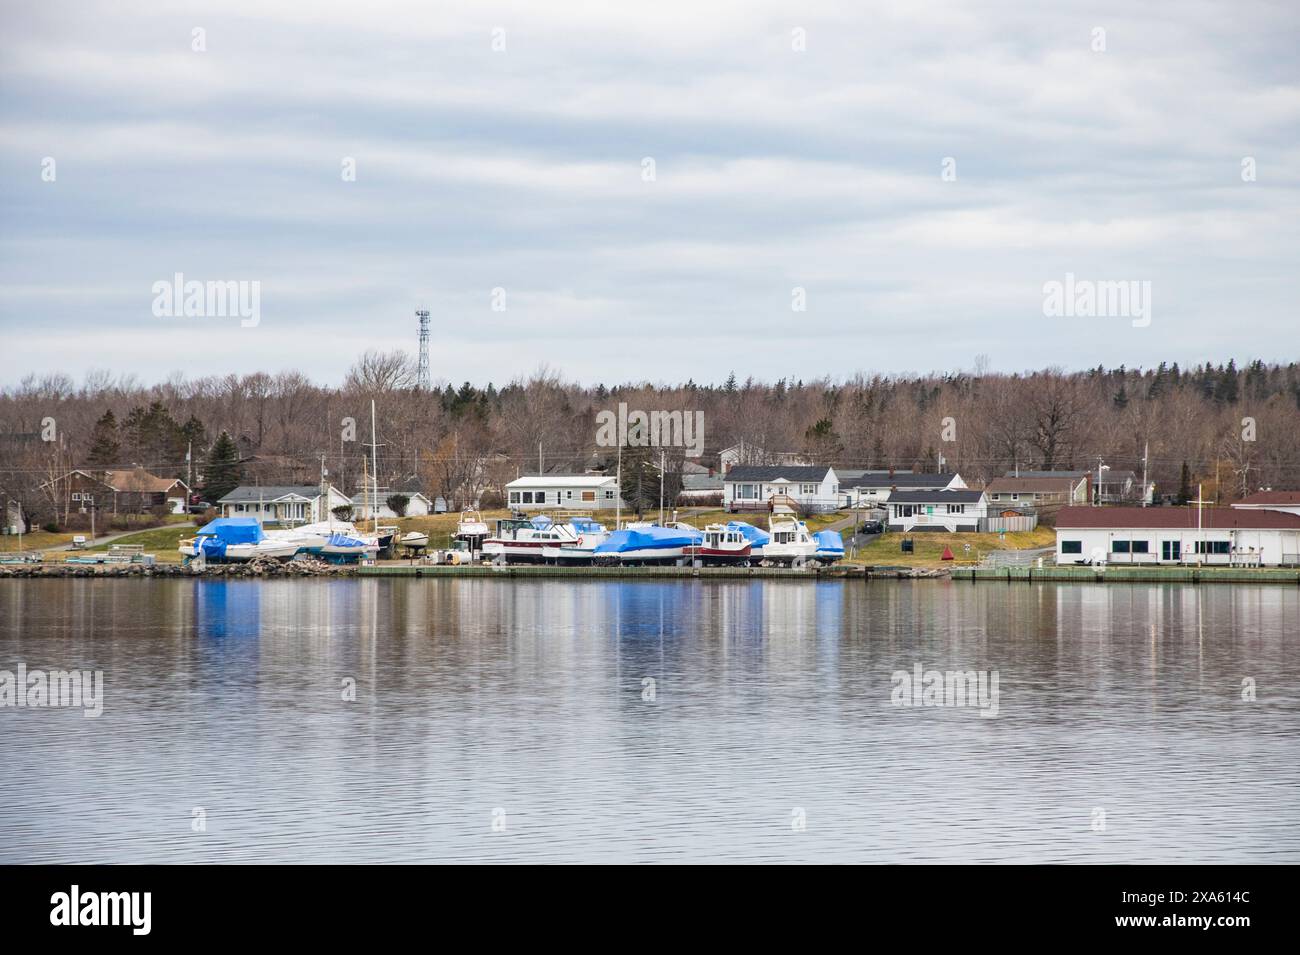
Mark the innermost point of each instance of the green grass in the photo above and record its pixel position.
(928, 547)
(162, 542)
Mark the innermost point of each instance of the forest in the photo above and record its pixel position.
(1230, 429)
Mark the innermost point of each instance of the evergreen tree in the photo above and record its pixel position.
(223, 472)
(105, 448)
(1185, 485)
(1225, 388)
(1121, 398)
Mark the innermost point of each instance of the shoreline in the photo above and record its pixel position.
(1006, 575)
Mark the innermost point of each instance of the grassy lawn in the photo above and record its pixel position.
(37, 540)
(928, 552)
(162, 542)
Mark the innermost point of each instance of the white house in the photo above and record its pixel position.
(862, 488)
(750, 454)
(284, 504)
(1286, 502)
(581, 492)
(417, 505)
(750, 487)
(946, 510)
(1172, 535)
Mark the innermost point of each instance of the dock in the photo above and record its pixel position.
(1131, 575)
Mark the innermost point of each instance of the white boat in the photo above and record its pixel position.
(471, 526)
(312, 538)
(236, 539)
(414, 540)
(519, 541)
(342, 545)
(790, 543)
(589, 535)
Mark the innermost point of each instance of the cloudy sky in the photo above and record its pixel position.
(505, 146)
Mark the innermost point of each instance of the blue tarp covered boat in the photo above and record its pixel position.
(830, 545)
(641, 545)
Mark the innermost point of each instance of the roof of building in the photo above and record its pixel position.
(1047, 474)
(777, 472)
(1181, 518)
(701, 482)
(964, 496)
(251, 493)
(139, 481)
(899, 479)
(562, 480)
(1023, 485)
(1264, 498)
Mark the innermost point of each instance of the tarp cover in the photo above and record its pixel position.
(647, 538)
(233, 530)
(829, 544)
(755, 535)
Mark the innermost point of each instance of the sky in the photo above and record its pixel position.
(647, 192)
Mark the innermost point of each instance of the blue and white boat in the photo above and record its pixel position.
(588, 535)
(648, 544)
(234, 539)
(830, 546)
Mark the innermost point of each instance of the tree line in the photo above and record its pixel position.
(1233, 429)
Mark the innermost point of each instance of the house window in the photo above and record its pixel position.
(1141, 547)
(1071, 547)
(1015, 497)
(997, 497)
(514, 497)
(609, 494)
(956, 508)
(568, 495)
(1120, 547)
(1214, 547)
(807, 489)
(589, 496)
(746, 492)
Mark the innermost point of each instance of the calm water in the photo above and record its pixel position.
(482, 702)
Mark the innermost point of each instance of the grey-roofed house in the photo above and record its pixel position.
(283, 504)
(866, 488)
(749, 487)
(945, 510)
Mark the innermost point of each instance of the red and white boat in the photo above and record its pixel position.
(722, 545)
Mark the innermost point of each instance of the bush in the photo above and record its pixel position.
(343, 512)
(209, 515)
(490, 501)
(397, 503)
(51, 527)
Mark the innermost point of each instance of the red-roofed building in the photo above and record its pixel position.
(1177, 535)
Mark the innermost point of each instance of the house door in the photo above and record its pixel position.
(1171, 550)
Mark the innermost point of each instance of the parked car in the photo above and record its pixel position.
(872, 527)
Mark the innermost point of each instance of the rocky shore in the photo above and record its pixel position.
(256, 569)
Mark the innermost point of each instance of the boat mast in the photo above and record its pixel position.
(374, 460)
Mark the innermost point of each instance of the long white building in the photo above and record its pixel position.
(1225, 536)
(579, 492)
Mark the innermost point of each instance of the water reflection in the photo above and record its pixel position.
(650, 720)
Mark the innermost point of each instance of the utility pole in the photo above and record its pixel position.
(540, 468)
(662, 465)
(324, 494)
(1146, 449)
